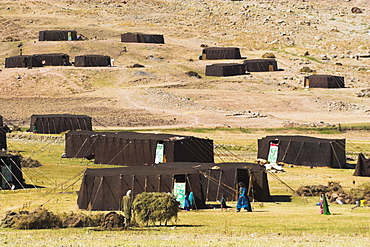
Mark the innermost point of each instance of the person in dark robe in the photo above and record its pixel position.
(243, 200)
(223, 203)
(126, 207)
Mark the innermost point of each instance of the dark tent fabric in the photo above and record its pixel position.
(102, 189)
(11, 171)
(57, 35)
(324, 81)
(136, 149)
(3, 144)
(1, 121)
(305, 150)
(142, 38)
(22, 61)
(225, 69)
(53, 59)
(92, 61)
(213, 53)
(260, 65)
(362, 166)
(58, 123)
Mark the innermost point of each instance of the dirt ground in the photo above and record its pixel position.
(160, 94)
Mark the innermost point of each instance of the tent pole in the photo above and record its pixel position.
(299, 151)
(209, 175)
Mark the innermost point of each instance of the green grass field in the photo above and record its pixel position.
(293, 222)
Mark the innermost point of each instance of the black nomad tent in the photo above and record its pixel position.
(303, 151)
(362, 166)
(11, 172)
(324, 81)
(57, 35)
(22, 61)
(53, 59)
(142, 38)
(213, 53)
(260, 65)
(92, 61)
(1, 121)
(102, 189)
(225, 69)
(58, 123)
(136, 149)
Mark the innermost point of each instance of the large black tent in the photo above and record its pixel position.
(213, 53)
(303, 150)
(92, 61)
(23, 61)
(324, 81)
(142, 38)
(102, 189)
(57, 35)
(362, 166)
(260, 65)
(54, 59)
(58, 123)
(136, 149)
(225, 69)
(11, 172)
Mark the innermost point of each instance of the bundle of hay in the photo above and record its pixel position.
(81, 220)
(155, 207)
(113, 220)
(28, 162)
(40, 218)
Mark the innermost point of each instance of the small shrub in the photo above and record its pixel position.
(306, 70)
(193, 74)
(28, 162)
(268, 55)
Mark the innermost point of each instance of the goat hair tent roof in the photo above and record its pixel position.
(213, 53)
(362, 166)
(53, 59)
(324, 81)
(225, 69)
(142, 38)
(92, 61)
(1, 121)
(260, 65)
(102, 189)
(57, 35)
(11, 171)
(305, 150)
(58, 123)
(22, 61)
(136, 149)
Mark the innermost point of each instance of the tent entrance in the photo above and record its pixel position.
(273, 152)
(6, 177)
(271, 67)
(179, 188)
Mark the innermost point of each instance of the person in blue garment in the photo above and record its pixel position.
(191, 200)
(186, 202)
(243, 200)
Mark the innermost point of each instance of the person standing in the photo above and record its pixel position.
(243, 200)
(127, 208)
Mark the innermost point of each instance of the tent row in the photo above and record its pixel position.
(102, 189)
(58, 123)
(71, 35)
(56, 59)
(250, 65)
(137, 149)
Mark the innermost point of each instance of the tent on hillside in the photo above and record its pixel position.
(303, 151)
(137, 149)
(260, 65)
(213, 53)
(57, 35)
(225, 69)
(11, 172)
(362, 166)
(58, 123)
(92, 61)
(324, 81)
(53, 59)
(22, 61)
(142, 38)
(102, 189)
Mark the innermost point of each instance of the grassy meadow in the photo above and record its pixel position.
(290, 221)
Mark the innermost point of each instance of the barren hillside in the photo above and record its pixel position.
(323, 36)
